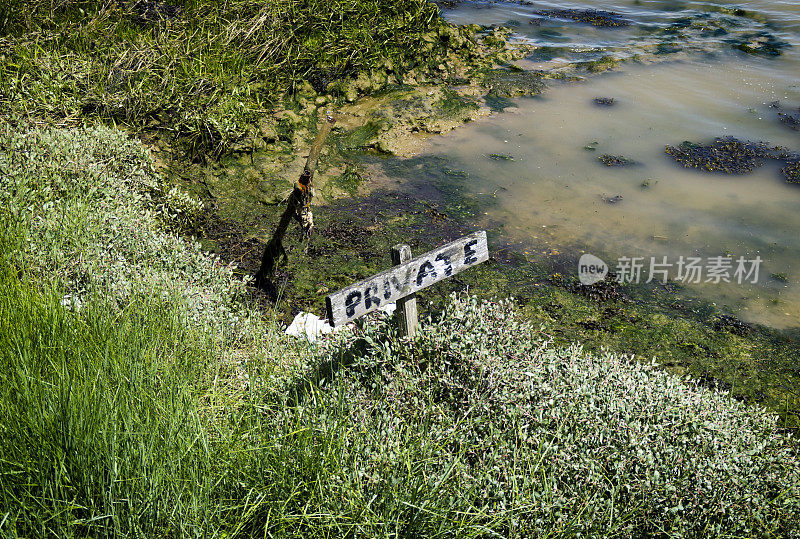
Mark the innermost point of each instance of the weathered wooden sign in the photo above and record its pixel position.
(406, 278)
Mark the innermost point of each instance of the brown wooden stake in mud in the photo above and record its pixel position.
(298, 207)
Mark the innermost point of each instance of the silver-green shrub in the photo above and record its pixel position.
(92, 215)
(499, 429)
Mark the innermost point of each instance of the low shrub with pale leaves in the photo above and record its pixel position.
(527, 439)
(90, 212)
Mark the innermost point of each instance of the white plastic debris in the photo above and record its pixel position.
(389, 308)
(309, 325)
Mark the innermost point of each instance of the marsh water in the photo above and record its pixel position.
(690, 80)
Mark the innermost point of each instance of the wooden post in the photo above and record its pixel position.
(406, 306)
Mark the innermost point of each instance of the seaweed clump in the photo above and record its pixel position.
(615, 160)
(792, 172)
(607, 290)
(726, 322)
(602, 19)
(792, 121)
(761, 44)
(604, 101)
(602, 64)
(726, 154)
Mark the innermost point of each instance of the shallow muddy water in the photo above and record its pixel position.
(539, 160)
(646, 24)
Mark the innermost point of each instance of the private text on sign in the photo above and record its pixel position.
(400, 281)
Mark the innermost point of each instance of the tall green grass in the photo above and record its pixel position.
(102, 432)
(110, 335)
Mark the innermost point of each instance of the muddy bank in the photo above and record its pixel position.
(381, 115)
(424, 204)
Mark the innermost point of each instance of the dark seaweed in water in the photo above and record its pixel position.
(728, 155)
(604, 19)
(792, 172)
(761, 43)
(792, 121)
(735, 28)
(607, 290)
(615, 160)
(604, 101)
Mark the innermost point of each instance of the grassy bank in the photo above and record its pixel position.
(144, 397)
(143, 394)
